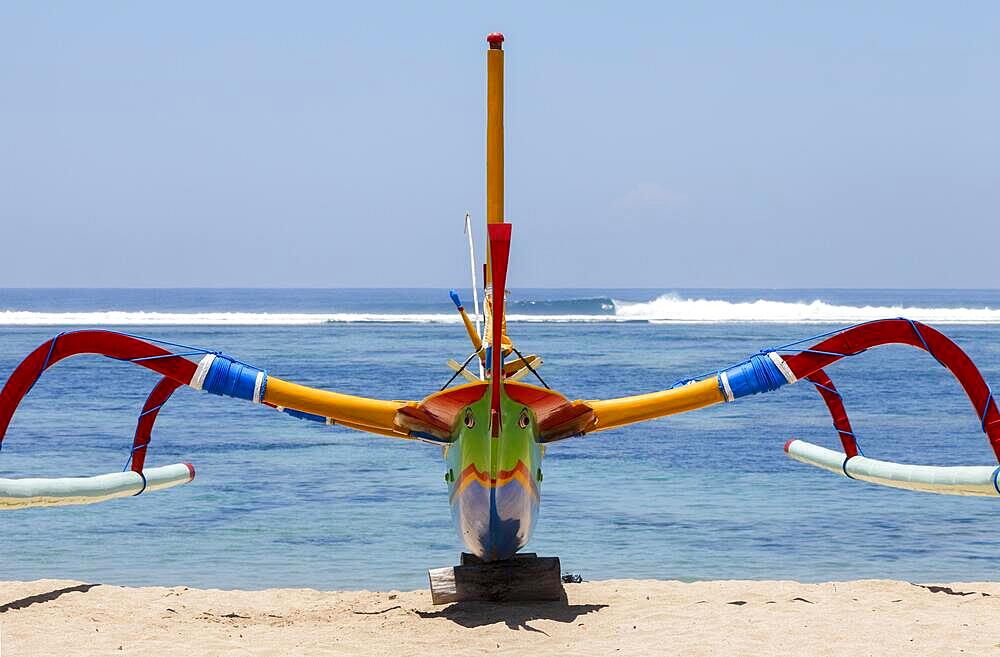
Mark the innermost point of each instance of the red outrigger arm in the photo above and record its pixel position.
(956, 480)
(214, 373)
(857, 339)
(771, 369)
(177, 371)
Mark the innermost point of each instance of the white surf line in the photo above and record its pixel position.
(675, 309)
(665, 309)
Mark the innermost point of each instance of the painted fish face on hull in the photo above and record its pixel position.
(494, 482)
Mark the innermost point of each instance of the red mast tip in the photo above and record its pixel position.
(495, 39)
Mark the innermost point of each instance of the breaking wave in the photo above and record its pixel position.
(664, 309)
(558, 307)
(673, 308)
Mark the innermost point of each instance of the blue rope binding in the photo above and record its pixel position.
(232, 378)
(754, 375)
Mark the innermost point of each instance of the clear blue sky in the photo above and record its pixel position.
(648, 144)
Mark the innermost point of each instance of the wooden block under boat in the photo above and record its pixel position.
(524, 578)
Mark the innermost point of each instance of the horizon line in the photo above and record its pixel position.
(447, 287)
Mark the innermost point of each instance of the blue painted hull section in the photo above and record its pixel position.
(494, 523)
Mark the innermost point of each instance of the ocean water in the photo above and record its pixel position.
(705, 495)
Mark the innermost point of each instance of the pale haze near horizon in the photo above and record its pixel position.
(648, 145)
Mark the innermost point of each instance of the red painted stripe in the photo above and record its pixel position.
(520, 467)
(504, 477)
(473, 471)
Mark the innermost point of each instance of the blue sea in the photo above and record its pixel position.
(279, 502)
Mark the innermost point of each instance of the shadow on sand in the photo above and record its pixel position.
(39, 598)
(516, 615)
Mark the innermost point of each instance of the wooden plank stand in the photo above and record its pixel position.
(525, 578)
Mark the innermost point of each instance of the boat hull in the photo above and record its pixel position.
(494, 483)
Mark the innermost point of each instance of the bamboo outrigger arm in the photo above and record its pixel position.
(771, 369)
(613, 413)
(214, 373)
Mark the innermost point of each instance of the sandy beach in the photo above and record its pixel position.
(618, 617)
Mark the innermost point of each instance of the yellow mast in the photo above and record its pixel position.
(494, 160)
(494, 130)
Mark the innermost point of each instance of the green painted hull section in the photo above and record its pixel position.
(494, 483)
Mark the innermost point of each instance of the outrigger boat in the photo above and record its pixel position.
(495, 428)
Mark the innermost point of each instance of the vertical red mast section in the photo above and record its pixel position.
(499, 255)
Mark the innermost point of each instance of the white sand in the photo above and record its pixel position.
(624, 617)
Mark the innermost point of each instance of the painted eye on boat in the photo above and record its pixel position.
(470, 419)
(523, 420)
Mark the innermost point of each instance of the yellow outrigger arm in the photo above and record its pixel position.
(337, 406)
(612, 413)
(362, 413)
(408, 419)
